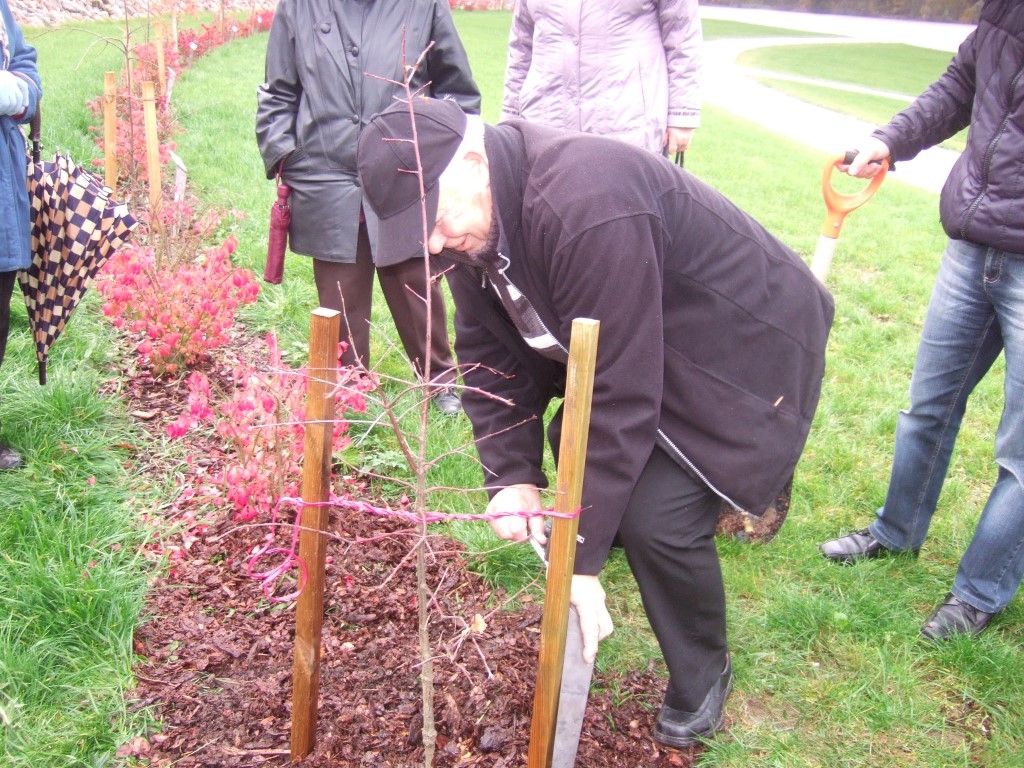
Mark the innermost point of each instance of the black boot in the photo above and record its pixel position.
(677, 728)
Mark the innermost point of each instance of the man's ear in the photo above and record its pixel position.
(476, 163)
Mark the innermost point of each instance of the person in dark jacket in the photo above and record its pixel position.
(709, 362)
(20, 91)
(976, 311)
(329, 67)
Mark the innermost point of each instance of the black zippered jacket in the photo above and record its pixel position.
(983, 196)
(712, 337)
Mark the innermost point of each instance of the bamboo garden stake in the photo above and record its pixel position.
(161, 68)
(152, 149)
(562, 546)
(110, 130)
(324, 332)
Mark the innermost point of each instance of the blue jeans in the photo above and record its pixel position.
(976, 311)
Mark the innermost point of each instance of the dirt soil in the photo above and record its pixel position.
(215, 656)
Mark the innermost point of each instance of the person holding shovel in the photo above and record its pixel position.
(976, 311)
(20, 91)
(708, 371)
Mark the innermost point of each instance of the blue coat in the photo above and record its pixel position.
(20, 59)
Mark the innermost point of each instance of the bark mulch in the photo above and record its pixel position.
(214, 656)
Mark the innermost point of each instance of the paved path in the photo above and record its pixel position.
(730, 87)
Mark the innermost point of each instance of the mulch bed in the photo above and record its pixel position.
(215, 656)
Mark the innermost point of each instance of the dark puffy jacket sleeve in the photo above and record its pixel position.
(940, 112)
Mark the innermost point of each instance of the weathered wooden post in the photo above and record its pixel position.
(110, 129)
(161, 68)
(152, 150)
(174, 30)
(324, 331)
(562, 545)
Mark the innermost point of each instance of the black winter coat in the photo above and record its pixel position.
(982, 201)
(331, 65)
(712, 337)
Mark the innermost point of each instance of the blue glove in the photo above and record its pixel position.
(13, 94)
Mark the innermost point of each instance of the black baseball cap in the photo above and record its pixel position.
(386, 160)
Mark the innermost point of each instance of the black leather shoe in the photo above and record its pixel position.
(9, 458)
(447, 402)
(859, 545)
(954, 617)
(677, 728)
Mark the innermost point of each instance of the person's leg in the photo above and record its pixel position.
(7, 280)
(668, 535)
(348, 288)
(9, 458)
(991, 569)
(959, 342)
(405, 287)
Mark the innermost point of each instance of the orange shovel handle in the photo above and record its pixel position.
(839, 204)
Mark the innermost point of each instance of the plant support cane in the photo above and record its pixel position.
(838, 205)
(325, 328)
(562, 554)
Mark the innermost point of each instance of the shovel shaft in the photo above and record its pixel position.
(822, 260)
(572, 696)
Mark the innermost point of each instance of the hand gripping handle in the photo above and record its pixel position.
(839, 204)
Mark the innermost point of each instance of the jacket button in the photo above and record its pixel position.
(354, 50)
(325, 27)
(355, 119)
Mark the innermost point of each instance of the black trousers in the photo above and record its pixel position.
(668, 533)
(7, 280)
(348, 288)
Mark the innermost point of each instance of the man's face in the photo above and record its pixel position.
(463, 208)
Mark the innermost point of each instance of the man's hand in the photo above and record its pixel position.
(513, 501)
(587, 595)
(677, 140)
(867, 163)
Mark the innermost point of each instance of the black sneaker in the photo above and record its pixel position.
(447, 402)
(955, 617)
(859, 545)
(9, 458)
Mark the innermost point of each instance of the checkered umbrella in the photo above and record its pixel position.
(76, 226)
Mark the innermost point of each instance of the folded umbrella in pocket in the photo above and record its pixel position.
(277, 242)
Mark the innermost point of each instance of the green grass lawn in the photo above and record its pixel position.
(829, 667)
(890, 67)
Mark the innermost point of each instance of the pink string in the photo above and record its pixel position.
(289, 555)
(289, 558)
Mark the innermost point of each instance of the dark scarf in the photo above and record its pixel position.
(492, 258)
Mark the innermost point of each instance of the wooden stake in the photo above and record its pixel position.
(152, 148)
(110, 129)
(325, 328)
(572, 453)
(161, 68)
